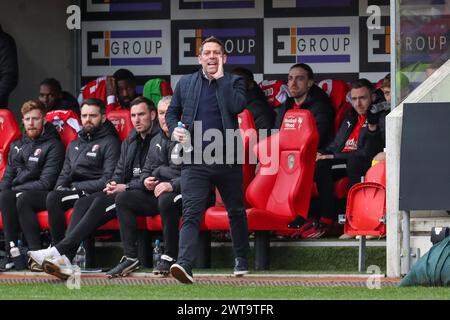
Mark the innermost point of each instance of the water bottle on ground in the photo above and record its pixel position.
(157, 252)
(80, 258)
(17, 257)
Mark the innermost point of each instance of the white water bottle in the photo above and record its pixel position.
(17, 257)
(14, 251)
(187, 146)
(80, 258)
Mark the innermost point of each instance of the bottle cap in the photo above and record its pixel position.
(12, 244)
(157, 242)
(180, 124)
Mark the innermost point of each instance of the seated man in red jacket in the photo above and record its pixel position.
(349, 148)
(117, 91)
(120, 90)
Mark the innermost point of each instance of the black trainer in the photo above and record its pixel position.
(124, 268)
(6, 263)
(181, 274)
(163, 265)
(240, 267)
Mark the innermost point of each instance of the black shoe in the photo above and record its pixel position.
(240, 267)
(124, 268)
(182, 274)
(6, 264)
(163, 265)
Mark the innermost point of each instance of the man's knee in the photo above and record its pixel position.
(122, 200)
(6, 195)
(166, 202)
(23, 202)
(323, 168)
(53, 198)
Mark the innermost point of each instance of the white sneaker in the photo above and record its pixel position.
(59, 267)
(39, 255)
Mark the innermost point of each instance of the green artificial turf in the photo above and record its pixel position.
(202, 291)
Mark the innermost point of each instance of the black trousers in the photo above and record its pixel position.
(325, 178)
(133, 203)
(57, 203)
(8, 207)
(31, 202)
(196, 181)
(89, 213)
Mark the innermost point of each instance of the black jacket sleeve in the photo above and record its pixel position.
(324, 116)
(120, 167)
(232, 88)
(8, 67)
(173, 114)
(64, 178)
(10, 172)
(176, 184)
(112, 153)
(50, 171)
(376, 140)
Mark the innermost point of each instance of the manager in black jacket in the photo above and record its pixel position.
(349, 148)
(8, 67)
(160, 193)
(33, 165)
(89, 163)
(98, 208)
(213, 99)
(304, 94)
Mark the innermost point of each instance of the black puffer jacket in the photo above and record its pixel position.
(91, 160)
(159, 163)
(8, 67)
(34, 164)
(319, 104)
(124, 169)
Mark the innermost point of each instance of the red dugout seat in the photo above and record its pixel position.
(67, 123)
(9, 132)
(279, 197)
(121, 120)
(366, 204)
(377, 173)
(366, 208)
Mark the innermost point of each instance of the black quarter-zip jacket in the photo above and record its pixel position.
(34, 164)
(91, 159)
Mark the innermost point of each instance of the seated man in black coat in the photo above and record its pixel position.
(304, 94)
(263, 114)
(33, 166)
(349, 147)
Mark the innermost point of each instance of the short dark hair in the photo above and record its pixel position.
(212, 39)
(305, 67)
(95, 102)
(363, 83)
(33, 105)
(150, 105)
(124, 74)
(52, 82)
